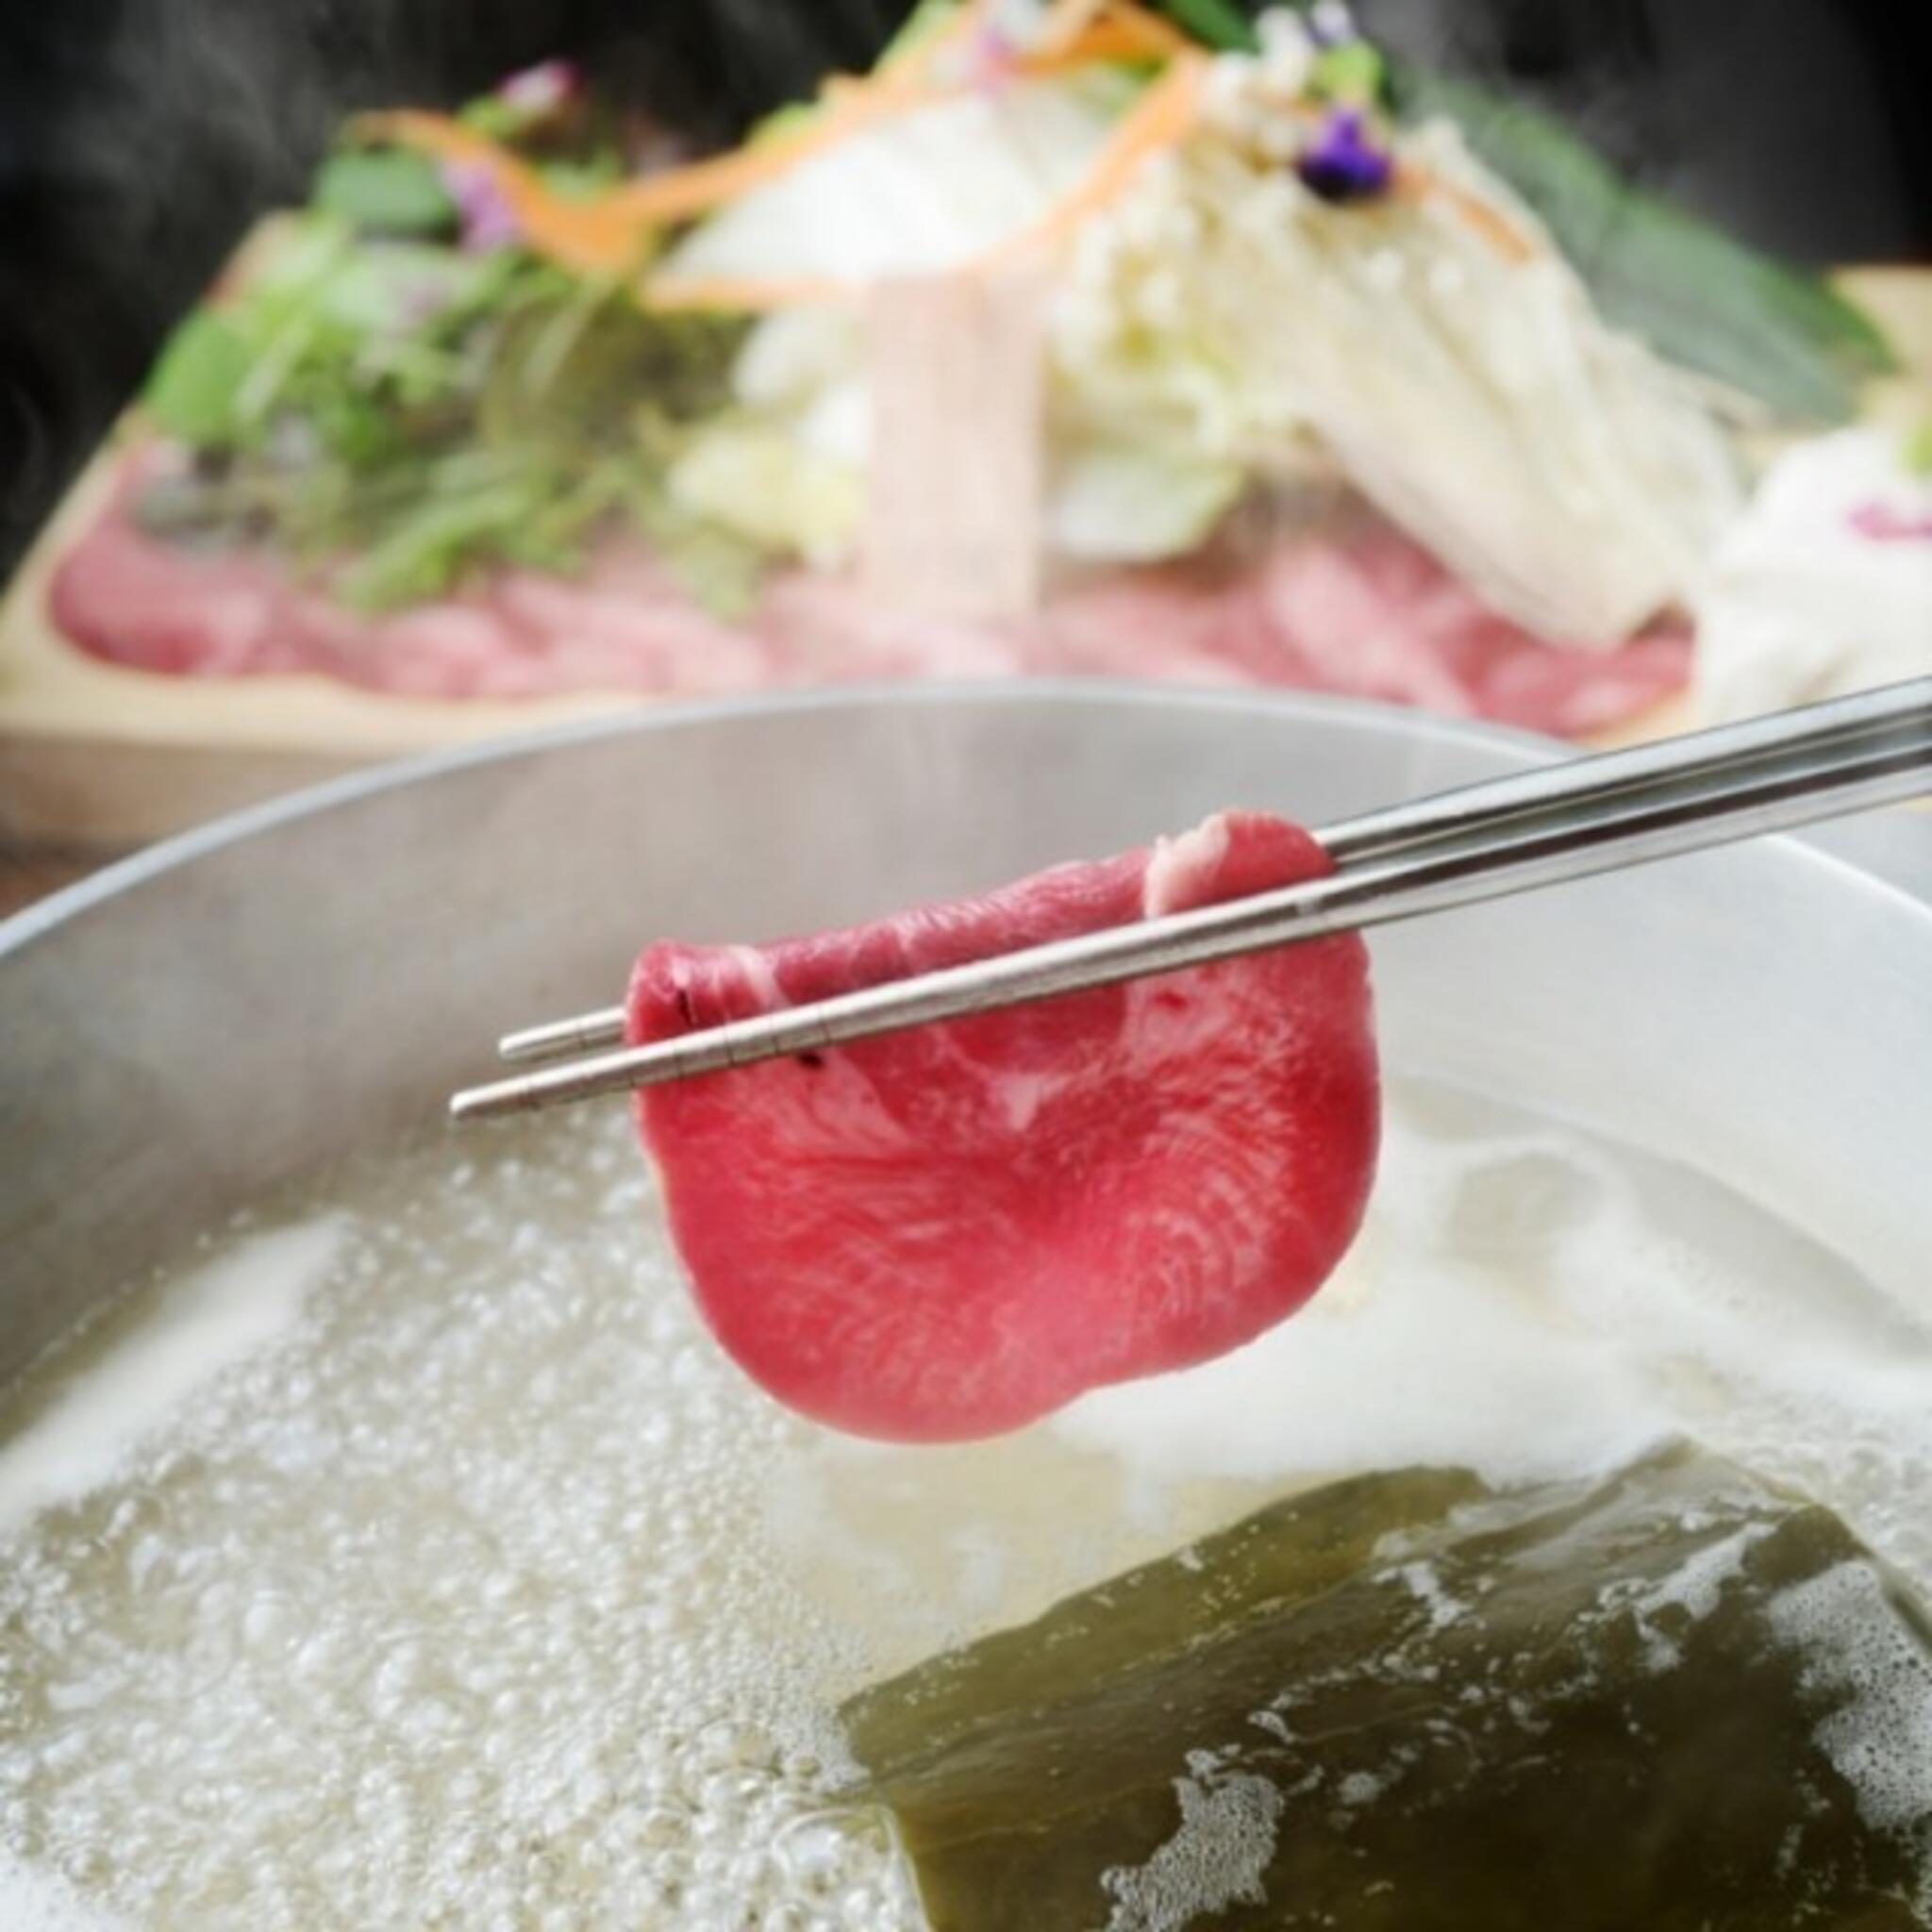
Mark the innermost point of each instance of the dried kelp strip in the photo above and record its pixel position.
(1678, 1698)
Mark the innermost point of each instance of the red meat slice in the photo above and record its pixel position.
(949, 1232)
(1353, 607)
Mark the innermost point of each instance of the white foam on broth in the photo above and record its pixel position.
(37, 1901)
(191, 1328)
(1531, 1305)
(449, 1576)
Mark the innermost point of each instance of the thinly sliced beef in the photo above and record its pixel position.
(824, 630)
(1353, 607)
(132, 601)
(624, 628)
(1375, 615)
(947, 1232)
(231, 612)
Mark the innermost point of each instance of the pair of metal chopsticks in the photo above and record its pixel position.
(1487, 840)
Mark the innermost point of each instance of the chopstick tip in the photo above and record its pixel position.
(490, 1102)
(580, 1033)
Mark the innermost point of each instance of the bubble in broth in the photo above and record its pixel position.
(410, 1556)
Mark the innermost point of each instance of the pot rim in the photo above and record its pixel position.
(36, 921)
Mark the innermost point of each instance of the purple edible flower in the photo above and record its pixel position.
(488, 220)
(1343, 164)
(540, 90)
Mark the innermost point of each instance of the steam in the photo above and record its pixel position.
(1785, 125)
(138, 140)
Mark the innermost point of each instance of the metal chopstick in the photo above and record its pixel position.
(1466, 810)
(1482, 841)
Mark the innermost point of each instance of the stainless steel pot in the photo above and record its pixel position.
(252, 1000)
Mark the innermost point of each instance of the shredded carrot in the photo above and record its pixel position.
(681, 194)
(608, 233)
(1160, 119)
(1075, 32)
(1106, 40)
(1156, 33)
(589, 236)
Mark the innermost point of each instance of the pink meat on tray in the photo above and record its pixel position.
(948, 1232)
(1354, 608)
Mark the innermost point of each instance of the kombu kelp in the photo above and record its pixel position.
(1406, 1701)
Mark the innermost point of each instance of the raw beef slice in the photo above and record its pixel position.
(1352, 606)
(947, 1232)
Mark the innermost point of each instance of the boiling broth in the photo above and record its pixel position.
(409, 1555)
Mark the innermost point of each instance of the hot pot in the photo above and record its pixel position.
(250, 1001)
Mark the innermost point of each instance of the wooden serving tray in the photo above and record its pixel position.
(95, 755)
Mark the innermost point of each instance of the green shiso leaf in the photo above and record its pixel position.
(385, 191)
(192, 393)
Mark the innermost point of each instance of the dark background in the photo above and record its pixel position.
(137, 138)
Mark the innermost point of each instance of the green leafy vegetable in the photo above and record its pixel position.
(390, 411)
(581, 179)
(393, 413)
(1698, 296)
(1351, 73)
(1218, 24)
(578, 371)
(718, 567)
(1407, 1704)
(492, 116)
(385, 191)
(193, 392)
